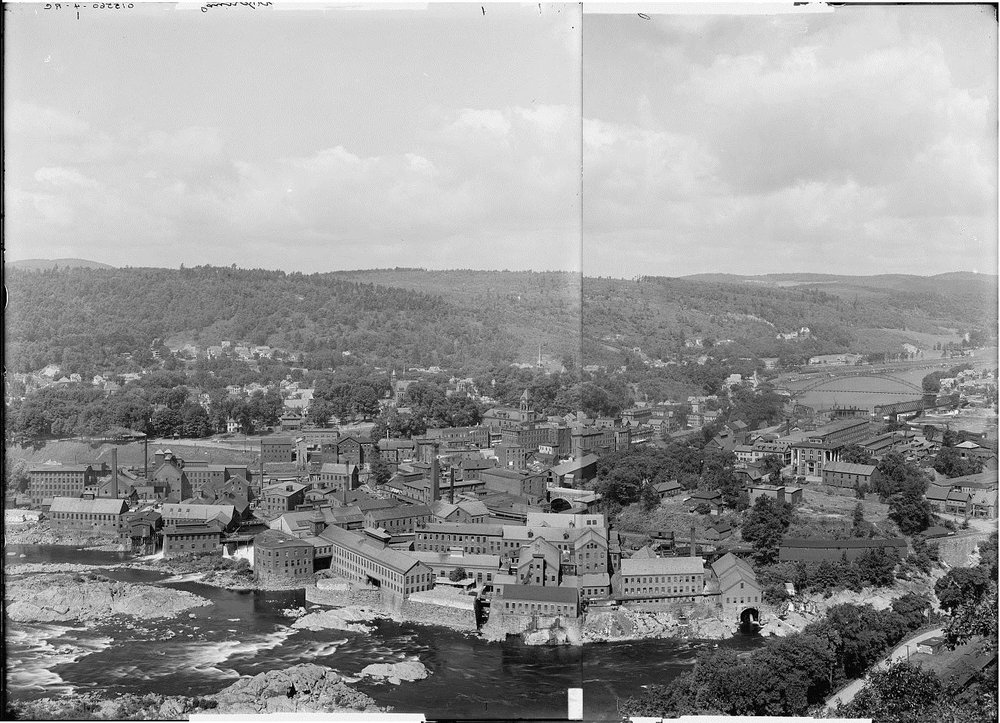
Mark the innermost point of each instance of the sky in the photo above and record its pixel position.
(861, 141)
(305, 139)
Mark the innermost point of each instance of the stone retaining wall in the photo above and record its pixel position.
(430, 613)
(329, 591)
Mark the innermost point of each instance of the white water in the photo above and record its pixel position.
(188, 577)
(242, 553)
(40, 654)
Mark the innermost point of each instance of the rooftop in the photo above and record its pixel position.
(663, 566)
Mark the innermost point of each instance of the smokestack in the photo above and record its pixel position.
(435, 474)
(693, 546)
(114, 473)
(145, 456)
(452, 474)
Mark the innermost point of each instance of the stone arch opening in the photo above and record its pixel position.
(749, 620)
(560, 504)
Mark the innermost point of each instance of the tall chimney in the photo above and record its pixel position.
(145, 456)
(693, 546)
(114, 473)
(452, 473)
(435, 474)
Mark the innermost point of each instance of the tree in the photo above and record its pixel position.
(876, 567)
(961, 585)
(911, 513)
(901, 693)
(912, 608)
(457, 575)
(949, 463)
(17, 478)
(975, 618)
(856, 454)
(858, 518)
(320, 412)
(764, 526)
(381, 472)
(649, 497)
(772, 465)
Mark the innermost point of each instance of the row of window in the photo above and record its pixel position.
(668, 590)
(543, 608)
(639, 579)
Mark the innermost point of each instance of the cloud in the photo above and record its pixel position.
(815, 144)
(484, 183)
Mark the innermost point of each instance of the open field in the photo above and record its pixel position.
(70, 451)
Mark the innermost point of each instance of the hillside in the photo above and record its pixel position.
(858, 314)
(43, 264)
(475, 319)
(96, 316)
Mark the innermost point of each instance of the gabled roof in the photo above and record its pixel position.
(574, 465)
(100, 505)
(537, 593)
(396, 513)
(180, 511)
(393, 559)
(464, 528)
(276, 539)
(843, 544)
(849, 468)
(668, 486)
(643, 553)
(663, 566)
(338, 468)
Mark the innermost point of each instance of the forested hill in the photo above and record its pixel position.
(96, 315)
(476, 319)
(857, 314)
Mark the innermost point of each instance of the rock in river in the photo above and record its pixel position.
(304, 687)
(59, 598)
(397, 672)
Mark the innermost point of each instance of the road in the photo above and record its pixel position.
(903, 651)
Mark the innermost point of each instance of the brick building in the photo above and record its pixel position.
(47, 481)
(277, 450)
(101, 516)
(280, 498)
(660, 579)
(796, 550)
(849, 475)
(280, 558)
(537, 601)
(359, 556)
(192, 538)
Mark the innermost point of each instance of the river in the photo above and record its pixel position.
(848, 387)
(245, 633)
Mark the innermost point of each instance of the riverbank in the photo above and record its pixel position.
(39, 533)
(624, 625)
(304, 688)
(811, 608)
(88, 597)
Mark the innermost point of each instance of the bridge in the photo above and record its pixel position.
(823, 381)
(915, 406)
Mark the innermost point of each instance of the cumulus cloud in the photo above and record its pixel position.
(788, 143)
(484, 184)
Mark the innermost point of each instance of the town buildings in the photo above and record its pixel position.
(192, 538)
(660, 580)
(280, 558)
(96, 516)
(47, 481)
